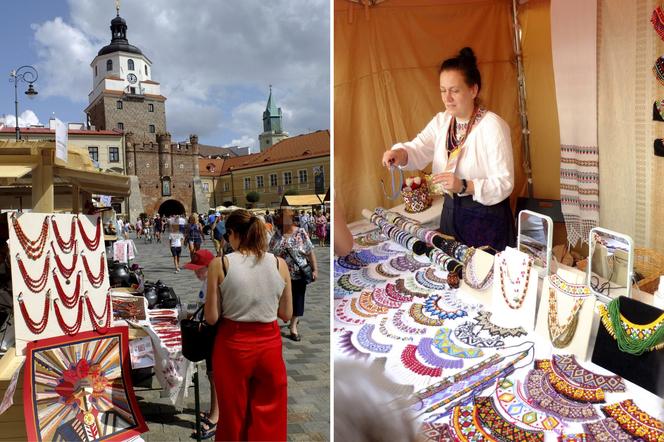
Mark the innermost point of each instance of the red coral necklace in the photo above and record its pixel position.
(95, 280)
(35, 327)
(65, 246)
(34, 249)
(93, 243)
(35, 285)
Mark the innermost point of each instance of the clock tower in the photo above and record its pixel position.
(124, 96)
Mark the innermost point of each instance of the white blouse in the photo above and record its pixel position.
(486, 158)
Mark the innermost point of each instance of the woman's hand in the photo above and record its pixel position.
(395, 157)
(314, 275)
(450, 181)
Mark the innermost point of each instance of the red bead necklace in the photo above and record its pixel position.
(96, 319)
(94, 280)
(35, 285)
(34, 249)
(68, 301)
(65, 271)
(91, 244)
(65, 246)
(70, 329)
(35, 327)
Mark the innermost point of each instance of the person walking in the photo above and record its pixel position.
(321, 227)
(248, 289)
(194, 236)
(157, 228)
(218, 232)
(293, 245)
(176, 238)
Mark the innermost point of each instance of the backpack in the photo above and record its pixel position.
(219, 230)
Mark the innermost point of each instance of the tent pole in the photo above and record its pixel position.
(521, 79)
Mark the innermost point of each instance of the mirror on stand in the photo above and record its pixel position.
(535, 238)
(610, 264)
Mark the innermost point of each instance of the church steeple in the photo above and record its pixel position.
(119, 40)
(273, 131)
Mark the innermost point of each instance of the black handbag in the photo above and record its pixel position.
(197, 337)
(306, 272)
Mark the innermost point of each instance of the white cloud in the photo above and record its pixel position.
(202, 55)
(25, 119)
(245, 141)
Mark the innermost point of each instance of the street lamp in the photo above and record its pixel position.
(27, 74)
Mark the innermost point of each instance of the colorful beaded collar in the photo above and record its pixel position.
(635, 421)
(632, 338)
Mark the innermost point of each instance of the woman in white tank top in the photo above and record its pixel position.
(247, 290)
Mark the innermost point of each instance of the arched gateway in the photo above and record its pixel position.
(171, 207)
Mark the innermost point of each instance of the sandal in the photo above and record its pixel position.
(295, 337)
(206, 433)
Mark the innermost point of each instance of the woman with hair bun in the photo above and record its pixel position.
(247, 290)
(471, 151)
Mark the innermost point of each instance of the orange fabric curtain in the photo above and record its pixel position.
(386, 60)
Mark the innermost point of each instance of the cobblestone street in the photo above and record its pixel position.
(307, 361)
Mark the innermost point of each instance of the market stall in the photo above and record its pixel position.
(456, 330)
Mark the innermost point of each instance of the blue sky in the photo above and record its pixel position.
(214, 59)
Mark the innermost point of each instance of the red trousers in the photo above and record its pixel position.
(250, 380)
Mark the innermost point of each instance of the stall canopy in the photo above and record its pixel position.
(33, 164)
(301, 200)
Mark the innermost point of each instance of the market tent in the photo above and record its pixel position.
(301, 200)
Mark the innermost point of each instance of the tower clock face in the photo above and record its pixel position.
(131, 78)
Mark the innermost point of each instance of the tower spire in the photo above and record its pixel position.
(117, 7)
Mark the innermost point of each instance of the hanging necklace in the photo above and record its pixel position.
(93, 243)
(68, 301)
(470, 273)
(65, 246)
(519, 288)
(71, 330)
(96, 281)
(95, 319)
(36, 327)
(65, 271)
(34, 249)
(632, 338)
(35, 285)
(562, 335)
(454, 141)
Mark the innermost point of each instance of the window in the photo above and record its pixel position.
(95, 70)
(121, 126)
(273, 179)
(288, 178)
(146, 70)
(206, 187)
(94, 153)
(247, 183)
(166, 186)
(303, 176)
(113, 154)
(132, 90)
(109, 65)
(150, 107)
(130, 64)
(259, 182)
(151, 128)
(226, 187)
(118, 104)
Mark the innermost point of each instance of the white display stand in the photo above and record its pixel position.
(578, 346)
(31, 225)
(482, 263)
(503, 315)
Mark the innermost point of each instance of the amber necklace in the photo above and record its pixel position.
(65, 246)
(519, 285)
(34, 249)
(35, 285)
(93, 243)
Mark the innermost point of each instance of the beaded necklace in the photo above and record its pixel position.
(444, 344)
(470, 273)
(635, 421)
(368, 343)
(406, 263)
(467, 427)
(95, 319)
(360, 280)
(519, 289)
(432, 307)
(35, 285)
(562, 335)
(366, 303)
(65, 246)
(380, 298)
(425, 350)
(455, 141)
(575, 373)
(367, 278)
(93, 243)
(68, 301)
(411, 284)
(340, 293)
(469, 334)
(483, 319)
(608, 430)
(542, 395)
(382, 328)
(410, 361)
(568, 288)
(35, 327)
(340, 312)
(361, 313)
(71, 330)
(344, 283)
(576, 393)
(97, 280)
(406, 291)
(347, 263)
(347, 347)
(380, 269)
(34, 249)
(500, 428)
(65, 271)
(421, 279)
(399, 323)
(371, 239)
(511, 401)
(440, 258)
(418, 316)
(632, 338)
(436, 432)
(368, 257)
(392, 293)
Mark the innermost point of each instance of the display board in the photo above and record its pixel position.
(59, 276)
